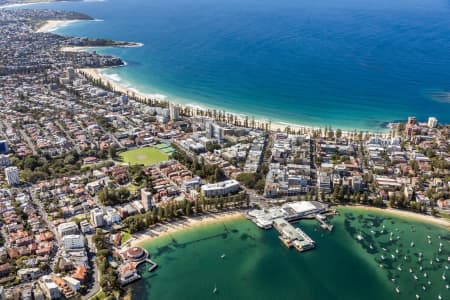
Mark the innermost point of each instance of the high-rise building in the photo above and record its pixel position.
(412, 120)
(174, 111)
(97, 217)
(4, 147)
(215, 131)
(146, 199)
(73, 241)
(68, 228)
(432, 122)
(12, 176)
(4, 160)
(71, 74)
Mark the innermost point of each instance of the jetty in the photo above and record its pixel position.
(281, 217)
(153, 265)
(323, 223)
(293, 237)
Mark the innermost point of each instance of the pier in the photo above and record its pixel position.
(293, 237)
(153, 264)
(322, 222)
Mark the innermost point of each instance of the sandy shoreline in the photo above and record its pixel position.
(119, 87)
(166, 229)
(125, 89)
(51, 25)
(404, 214)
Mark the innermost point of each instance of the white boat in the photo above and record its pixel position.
(371, 247)
(437, 259)
(410, 270)
(384, 249)
(415, 277)
(420, 268)
(446, 267)
(399, 268)
(412, 244)
(393, 256)
(405, 258)
(393, 279)
(428, 237)
(443, 276)
(215, 289)
(423, 287)
(359, 237)
(429, 282)
(425, 275)
(448, 258)
(382, 257)
(222, 256)
(439, 297)
(417, 296)
(396, 251)
(397, 290)
(447, 286)
(372, 232)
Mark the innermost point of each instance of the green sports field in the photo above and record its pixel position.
(143, 156)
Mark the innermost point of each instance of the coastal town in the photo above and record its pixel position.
(87, 169)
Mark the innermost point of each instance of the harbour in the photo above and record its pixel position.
(240, 250)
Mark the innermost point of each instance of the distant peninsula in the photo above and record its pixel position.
(11, 2)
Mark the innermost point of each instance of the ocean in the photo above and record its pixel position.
(258, 266)
(346, 63)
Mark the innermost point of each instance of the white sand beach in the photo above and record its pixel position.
(165, 229)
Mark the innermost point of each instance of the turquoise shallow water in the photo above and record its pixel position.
(346, 63)
(258, 266)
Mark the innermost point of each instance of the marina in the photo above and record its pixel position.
(280, 218)
(250, 253)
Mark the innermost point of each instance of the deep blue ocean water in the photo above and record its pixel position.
(346, 63)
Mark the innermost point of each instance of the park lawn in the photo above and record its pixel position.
(125, 237)
(143, 156)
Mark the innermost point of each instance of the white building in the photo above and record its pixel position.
(174, 111)
(73, 241)
(97, 219)
(49, 287)
(221, 188)
(324, 182)
(73, 283)
(432, 122)
(146, 199)
(12, 176)
(67, 229)
(111, 216)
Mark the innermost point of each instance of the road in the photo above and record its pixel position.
(96, 276)
(74, 143)
(29, 141)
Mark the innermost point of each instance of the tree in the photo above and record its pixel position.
(112, 151)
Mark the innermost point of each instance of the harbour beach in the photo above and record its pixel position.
(404, 214)
(167, 229)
